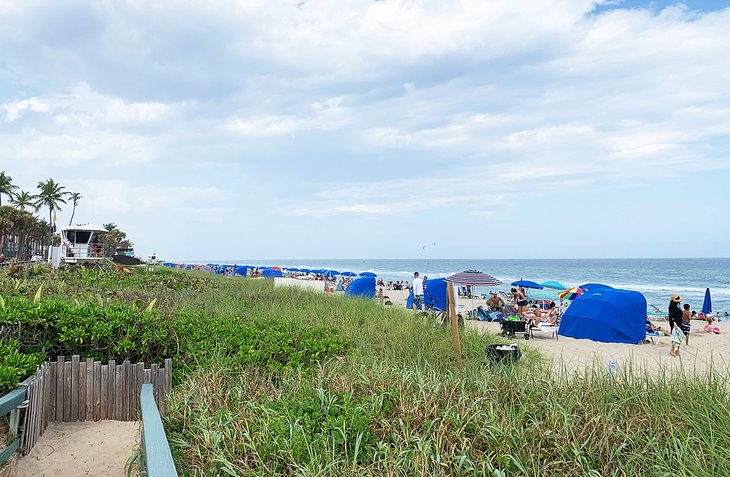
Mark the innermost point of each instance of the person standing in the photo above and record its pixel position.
(686, 324)
(674, 314)
(520, 301)
(417, 292)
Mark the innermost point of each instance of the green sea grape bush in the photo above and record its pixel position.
(15, 366)
(235, 341)
(93, 329)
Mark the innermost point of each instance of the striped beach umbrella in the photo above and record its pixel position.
(571, 293)
(474, 278)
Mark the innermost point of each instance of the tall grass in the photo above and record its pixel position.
(397, 405)
(383, 420)
(376, 333)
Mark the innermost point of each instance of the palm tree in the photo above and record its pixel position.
(75, 197)
(51, 195)
(6, 186)
(8, 218)
(24, 199)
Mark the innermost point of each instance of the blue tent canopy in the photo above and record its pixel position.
(608, 315)
(595, 286)
(363, 287)
(271, 273)
(239, 270)
(434, 295)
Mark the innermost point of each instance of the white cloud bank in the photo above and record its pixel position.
(378, 110)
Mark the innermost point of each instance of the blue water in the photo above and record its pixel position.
(657, 279)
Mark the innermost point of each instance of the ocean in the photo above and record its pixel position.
(657, 279)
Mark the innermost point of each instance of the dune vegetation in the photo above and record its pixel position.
(286, 382)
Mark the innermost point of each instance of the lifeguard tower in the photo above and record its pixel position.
(80, 244)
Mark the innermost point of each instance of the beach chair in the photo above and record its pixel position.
(545, 329)
(483, 315)
(655, 312)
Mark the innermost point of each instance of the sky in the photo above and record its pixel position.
(260, 129)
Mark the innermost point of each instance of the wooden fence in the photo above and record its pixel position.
(76, 390)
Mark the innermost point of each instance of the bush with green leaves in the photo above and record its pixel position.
(233, 341)
(15, 365)
(93, 329)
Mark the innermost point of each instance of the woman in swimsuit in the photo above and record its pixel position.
(521, 301)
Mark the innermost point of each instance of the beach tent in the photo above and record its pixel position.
(242, 271)
(608, 315)
(363, 287)
(434, 296)
(271, 273)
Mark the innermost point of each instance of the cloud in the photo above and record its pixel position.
(393, 111)
(266, 126)
(14, 110)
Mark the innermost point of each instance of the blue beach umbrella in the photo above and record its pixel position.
(368, 274)
(527, 284)
(554, 285)
(707, 304)
(305, 270)
(594, 286)
(348, 274)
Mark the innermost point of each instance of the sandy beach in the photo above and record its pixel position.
(706, 351)
(71, 449)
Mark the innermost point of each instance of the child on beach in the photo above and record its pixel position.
(677, 337)
(686, 325)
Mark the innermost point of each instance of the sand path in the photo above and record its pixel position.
(71, 449)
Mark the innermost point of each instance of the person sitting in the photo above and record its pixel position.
(495, 303)
(534, 316)
(551, 316)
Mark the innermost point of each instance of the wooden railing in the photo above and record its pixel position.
(157, 458)
(9, 404)
(79, 390)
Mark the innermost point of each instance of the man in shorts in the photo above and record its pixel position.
(417, 292)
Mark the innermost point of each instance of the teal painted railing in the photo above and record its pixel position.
(9, 403)
(156, 458)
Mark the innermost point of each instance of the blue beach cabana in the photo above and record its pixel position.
(363, 287)
(434, 295)
(607, 315)
(271, 273)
